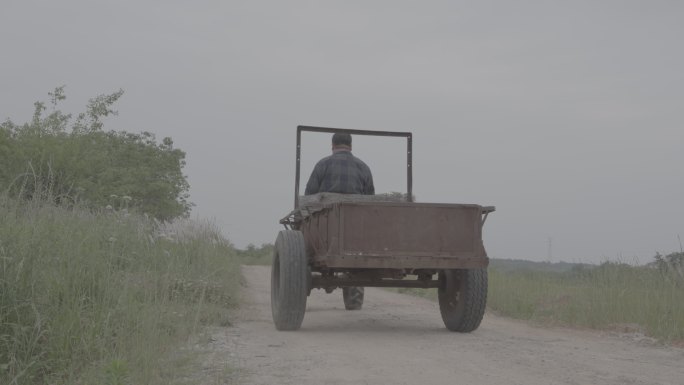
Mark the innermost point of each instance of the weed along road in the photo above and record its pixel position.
(400, 339)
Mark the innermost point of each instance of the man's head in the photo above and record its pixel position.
(341, 141)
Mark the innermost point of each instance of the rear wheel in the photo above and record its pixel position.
(289, 280)
(353, 297)
(462, 297)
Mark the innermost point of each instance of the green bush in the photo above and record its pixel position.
(67, 160)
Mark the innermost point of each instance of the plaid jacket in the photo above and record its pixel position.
(341, 173)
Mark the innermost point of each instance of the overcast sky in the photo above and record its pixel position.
(568, 116)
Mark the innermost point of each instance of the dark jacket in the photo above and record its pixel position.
(341, 173)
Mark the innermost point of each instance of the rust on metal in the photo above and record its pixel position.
(394, 235)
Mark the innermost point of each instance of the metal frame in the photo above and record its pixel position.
(385, 240)
(409, 150)
(324, 282)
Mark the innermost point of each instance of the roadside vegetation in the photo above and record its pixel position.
(102, 279)
(615, 296)
(105, 297)
(71, 159)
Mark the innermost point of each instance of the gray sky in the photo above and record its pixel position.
(566, 115)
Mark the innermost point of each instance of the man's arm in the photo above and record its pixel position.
(314, 184)
(369, 188)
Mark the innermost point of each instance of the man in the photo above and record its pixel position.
(341, 172)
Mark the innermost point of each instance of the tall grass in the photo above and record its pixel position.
(104, 297)
(612, 295)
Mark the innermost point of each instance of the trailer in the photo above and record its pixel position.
(333, 241)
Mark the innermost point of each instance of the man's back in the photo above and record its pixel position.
(341, 173)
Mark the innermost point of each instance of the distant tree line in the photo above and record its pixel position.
(67, 160)
(671, 267)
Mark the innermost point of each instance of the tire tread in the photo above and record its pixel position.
(288, 305)
(473, 294)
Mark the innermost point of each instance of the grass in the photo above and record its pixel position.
(610, 296)
(105, 297)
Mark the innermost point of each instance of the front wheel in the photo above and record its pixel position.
(353, 297)
(289, 280)
(462, 298)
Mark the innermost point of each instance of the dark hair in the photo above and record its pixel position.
(341, 139)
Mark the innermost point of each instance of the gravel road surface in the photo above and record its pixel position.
(400, 339)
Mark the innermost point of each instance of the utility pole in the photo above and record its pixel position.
(549, 254)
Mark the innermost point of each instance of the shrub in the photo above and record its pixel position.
(67, 160)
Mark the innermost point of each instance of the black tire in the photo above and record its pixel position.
(462, 298)
(289, 280)
(353, 297)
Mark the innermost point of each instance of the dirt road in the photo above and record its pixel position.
(399, 339)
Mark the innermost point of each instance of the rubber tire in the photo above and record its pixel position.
(353, 297)
(289, 280)
(462, 298)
